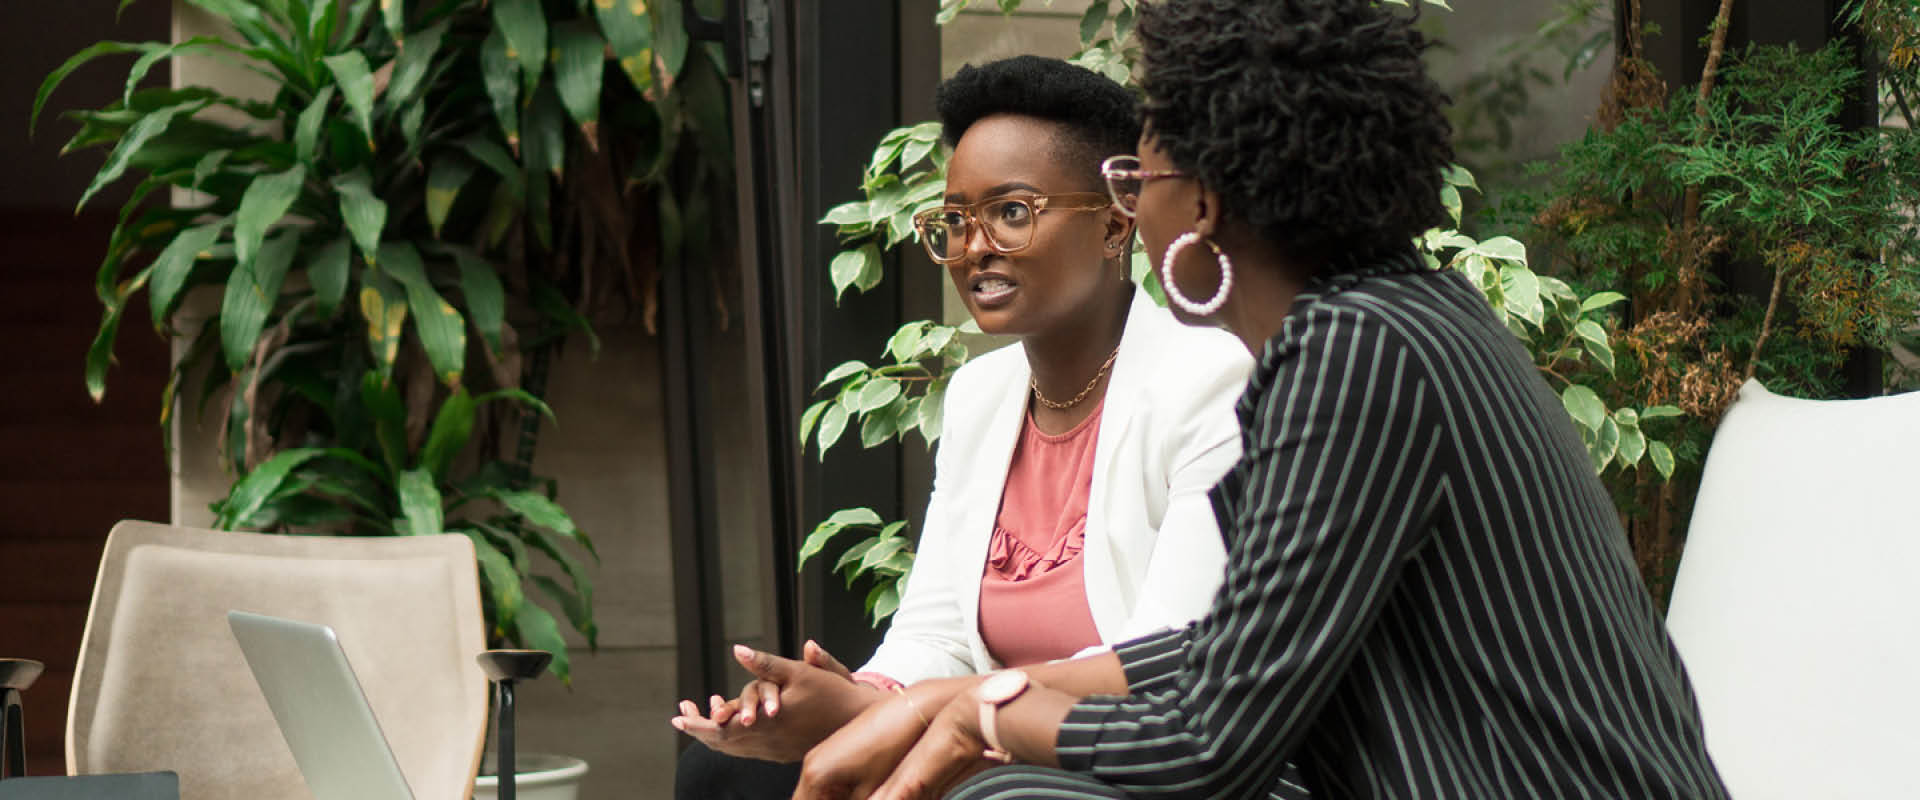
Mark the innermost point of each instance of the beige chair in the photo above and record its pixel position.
(1796, 609)
(161, 683)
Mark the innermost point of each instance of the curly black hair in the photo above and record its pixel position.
(1097, 117)
(1313, 119)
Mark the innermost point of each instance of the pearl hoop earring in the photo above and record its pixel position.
(1173, 289)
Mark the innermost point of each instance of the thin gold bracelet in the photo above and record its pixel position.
(916, 709)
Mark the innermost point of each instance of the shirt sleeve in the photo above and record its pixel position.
(1339, 477)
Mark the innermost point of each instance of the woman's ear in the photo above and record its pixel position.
(1119, 232)
(1206, 219)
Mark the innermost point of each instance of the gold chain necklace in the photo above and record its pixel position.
(1034, 384)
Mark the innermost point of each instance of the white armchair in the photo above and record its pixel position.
(1797, 603)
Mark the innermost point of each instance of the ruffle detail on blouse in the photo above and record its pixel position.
(1013, 560)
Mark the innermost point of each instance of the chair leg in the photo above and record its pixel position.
(13, 736)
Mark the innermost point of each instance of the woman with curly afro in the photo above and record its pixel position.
(1428, 591)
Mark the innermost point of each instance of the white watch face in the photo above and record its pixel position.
(1003, 686)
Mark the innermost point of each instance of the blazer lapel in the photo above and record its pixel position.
(988, 482)
(1130, 370)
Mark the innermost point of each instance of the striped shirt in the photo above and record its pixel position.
(1428, 591)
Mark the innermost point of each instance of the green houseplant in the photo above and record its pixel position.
(1568, 331)
(389, 246)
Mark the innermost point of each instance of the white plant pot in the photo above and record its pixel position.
(541, 777)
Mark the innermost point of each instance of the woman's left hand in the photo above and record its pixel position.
(951, 751)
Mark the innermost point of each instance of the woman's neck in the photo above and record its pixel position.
(1065, 363)
(1264, 287)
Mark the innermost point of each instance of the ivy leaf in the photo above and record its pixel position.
(1595, 338)
(851, 267)
(420, 503)
(1601, 300)
(1520, 289)
(1661, 457)
(842, 371)
(832, 423)
(356, 85)
(812, 416)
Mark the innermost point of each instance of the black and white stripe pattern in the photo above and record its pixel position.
(1428, 593)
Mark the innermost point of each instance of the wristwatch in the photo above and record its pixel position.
(997, 690)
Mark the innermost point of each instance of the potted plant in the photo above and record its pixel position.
(389, 245)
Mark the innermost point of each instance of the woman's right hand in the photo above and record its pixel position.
(855, 760)
(788, 708)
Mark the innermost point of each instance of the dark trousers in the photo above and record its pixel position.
(707, 775)
(1034, 783)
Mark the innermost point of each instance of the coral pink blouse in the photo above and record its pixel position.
(1033, 593)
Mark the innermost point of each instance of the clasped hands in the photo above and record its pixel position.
(852, 736)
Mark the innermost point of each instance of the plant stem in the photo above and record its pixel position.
(1766, 324)
(1708, 72)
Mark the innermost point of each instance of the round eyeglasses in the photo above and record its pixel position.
(1007, 221)
(1125, 179)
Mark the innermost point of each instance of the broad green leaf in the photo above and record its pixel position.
(451, 429)
(816, 541)
(545, 147)
(328, 272)
(832, 424)
(394, 14)
(519, 396)
(932, 406)
(501, 74)
(1606, 444)
(420, 503)
(842, 371)
(1456, 175)
(905, 342)
(537, 630)
(578, 608)
(882, 551)
(883, 601)
(174, 264)
(444, 179)
(252, 290)
(306, 135)
(381, 400)
(850, 266)
(364, 214)
(1601, 300)
(356, 85)
(525, 28)
(669, 38)
(880, 425)
(810, 417)
(578, 71)
(1661, 457)
(1658, 412)
(854, 516)
(853, 555)
(60, 73)
(1584, 406)
(443, 332)
(156, 52)
(486, 300)
(253, 489)
(878, 394)
(490, 154)
(266, 200)
(130, 145)
(540, 510)
(1093, 20)
(1521, 294)
(383, 304)
(1450, 199)
(1595, 339)
(410, 67)
(1505, 248)
(503, 583)
(100, 353)
(853, 213)
(1633, 443)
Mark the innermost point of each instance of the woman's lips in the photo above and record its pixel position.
(992, 291)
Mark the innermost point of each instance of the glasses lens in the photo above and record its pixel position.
(945, 234)
(1123, 183)
(1009, 223)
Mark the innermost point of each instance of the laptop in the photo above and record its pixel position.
(321, 711)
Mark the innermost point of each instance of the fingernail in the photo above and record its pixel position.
(742, 651)
(678, 725)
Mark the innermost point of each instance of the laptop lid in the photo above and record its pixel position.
(320, 708)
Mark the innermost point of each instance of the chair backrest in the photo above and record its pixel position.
(1796, 608)
(161, 684)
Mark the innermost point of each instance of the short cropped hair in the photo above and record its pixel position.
(1314, 119)
(1097, 117)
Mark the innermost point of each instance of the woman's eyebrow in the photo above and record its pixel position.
(996, 191)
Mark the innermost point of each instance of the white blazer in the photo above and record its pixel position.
(1153, 557)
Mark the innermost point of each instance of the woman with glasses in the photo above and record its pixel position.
(1428, 591)
(1069, 507)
